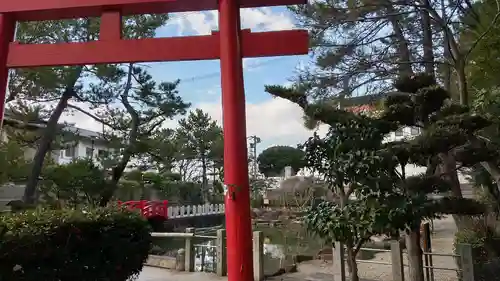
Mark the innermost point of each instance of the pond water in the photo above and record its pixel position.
(281, 243)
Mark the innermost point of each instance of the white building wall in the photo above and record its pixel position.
(81, 151)
(410, 169)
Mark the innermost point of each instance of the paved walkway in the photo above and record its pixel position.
(159, 274)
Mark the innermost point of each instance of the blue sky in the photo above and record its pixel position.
(275, 121)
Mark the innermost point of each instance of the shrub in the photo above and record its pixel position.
(105, 244)
(485, 243)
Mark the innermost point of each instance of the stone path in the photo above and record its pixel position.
(159, 274)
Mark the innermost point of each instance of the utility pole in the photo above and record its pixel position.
(254, 140)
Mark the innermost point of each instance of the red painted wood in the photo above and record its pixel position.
(260, 44)
(231, 45)
(25, 10)
(237, 198)
(6, 36)
(111, 26)
(148, 209)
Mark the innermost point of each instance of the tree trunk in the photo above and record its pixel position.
(112, 185)
(447, 53)
(415, 262)
(352, 265)
(44, 147)
(449, 167)
(462, 83)
(405, 67)
(490, 166)
(427, 41)
(204, 179)
(494, 171)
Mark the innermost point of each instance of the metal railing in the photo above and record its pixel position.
(464, 258)
(429, 267)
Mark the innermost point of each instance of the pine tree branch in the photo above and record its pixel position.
(100, 120)
(488, 30)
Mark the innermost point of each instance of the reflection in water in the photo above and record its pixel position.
(274, 251)
(205, 256)
(282, 243)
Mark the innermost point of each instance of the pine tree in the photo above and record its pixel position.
(354, 160)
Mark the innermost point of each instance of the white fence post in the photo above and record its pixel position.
(258, 256)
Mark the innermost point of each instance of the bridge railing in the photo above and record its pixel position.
(211, 256)
(161, 208)
(195, 210)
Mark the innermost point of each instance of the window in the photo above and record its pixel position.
(89, 152)
(70, 152)
(415, 131)
(399, 132)
(102, 153)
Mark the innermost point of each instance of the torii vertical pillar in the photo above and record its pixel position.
(230, 45)
(7, 26)
(237, 195)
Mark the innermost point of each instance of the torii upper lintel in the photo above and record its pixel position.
(37, 10)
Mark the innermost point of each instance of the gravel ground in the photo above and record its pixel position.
(442, 243)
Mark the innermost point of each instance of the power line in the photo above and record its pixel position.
(217, 73)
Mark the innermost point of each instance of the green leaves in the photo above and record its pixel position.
(199, 142)
(359, 220)
(96, 244)
(273, 160)
(78, 183)
(354, 160)
(14, 166)
(413, 83)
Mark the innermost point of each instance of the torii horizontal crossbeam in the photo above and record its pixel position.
(259, 44)
(37, 10)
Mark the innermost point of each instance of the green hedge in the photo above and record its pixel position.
(101, 244)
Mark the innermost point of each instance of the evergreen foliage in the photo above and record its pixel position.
(354, 160)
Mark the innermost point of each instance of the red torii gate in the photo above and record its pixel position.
(230, 44)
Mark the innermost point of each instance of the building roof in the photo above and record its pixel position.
(84, 133)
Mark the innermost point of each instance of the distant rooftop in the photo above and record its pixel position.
(9, 119)
(83, 132)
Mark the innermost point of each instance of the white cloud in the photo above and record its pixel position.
(275, 121)
(203, 23)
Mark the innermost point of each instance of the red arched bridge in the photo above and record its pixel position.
(150, 209)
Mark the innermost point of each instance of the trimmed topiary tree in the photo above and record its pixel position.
(107, 244)
(354, 160)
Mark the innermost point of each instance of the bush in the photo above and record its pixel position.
(105, 244)
(485, 243)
